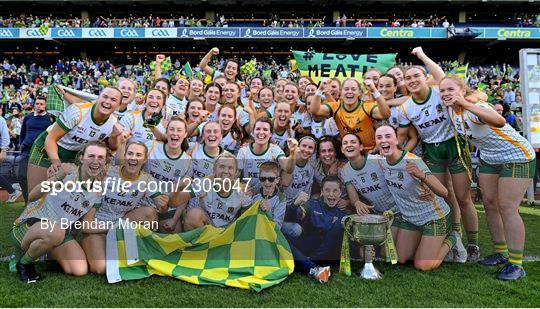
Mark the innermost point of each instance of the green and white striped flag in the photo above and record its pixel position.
(187, 70)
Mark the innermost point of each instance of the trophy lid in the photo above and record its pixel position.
(369, 219)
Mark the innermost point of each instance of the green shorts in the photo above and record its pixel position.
(509, 170)
(439, 227)
(19, 231)
(442, 156)
(38, 155)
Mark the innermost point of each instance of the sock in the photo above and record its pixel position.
(515, 257)
(26, 259)
(500, 247)
(450, 241)
(472, 237)
(456, 226)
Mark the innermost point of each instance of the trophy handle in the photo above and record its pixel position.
(390, 216)
(346, 223)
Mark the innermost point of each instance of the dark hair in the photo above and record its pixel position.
(392, 77)
(213, 84)
(264, 119)
(161, 92)
(189, 104)
(236, 130)
(357, 137)
(238, 75)
(331, 179)
(185, 145)
(335, 144)
(265, 87)
(166, 81)
(40, 97)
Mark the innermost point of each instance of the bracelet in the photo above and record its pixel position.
(376, 94)
(424, 179)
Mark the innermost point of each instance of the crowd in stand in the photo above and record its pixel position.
(220, 20)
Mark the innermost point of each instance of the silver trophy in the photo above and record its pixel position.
(368, 231)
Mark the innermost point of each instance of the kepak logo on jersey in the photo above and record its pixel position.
(433, 122)
(97, 33)
(66, 33)
(159, 33)
(129, 33)
(9, 33)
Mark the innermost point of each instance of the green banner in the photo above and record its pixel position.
(342, 66)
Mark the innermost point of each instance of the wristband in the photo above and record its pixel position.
(376, 94)
(320, 94)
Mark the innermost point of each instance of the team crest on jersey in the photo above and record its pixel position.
(85, 204)
(400, 176)
(374, 177)
(102, 136)
(177, 173)
(230, 210)
(439, 108)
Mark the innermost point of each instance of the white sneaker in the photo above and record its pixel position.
(17, 186)
(14, 196)
(449, 258)
(460, 253)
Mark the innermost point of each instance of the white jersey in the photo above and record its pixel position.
(134, 121)
(230, 144)
(281, 139)
(496, 145)
(325, 127)
(116, 203)
(393, 121)
(120, 114)
(303, 177)
(221, 210)
(249, 162)
(430, 118)
(81, 128)
(369, 182)
(405, 189)
(175, 106)
(203, 163)
(164, 168)
(276, 206)
(62, 207)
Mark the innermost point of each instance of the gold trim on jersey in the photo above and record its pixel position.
(513, 142)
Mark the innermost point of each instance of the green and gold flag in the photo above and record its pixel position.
(342, 66)
(55, 100)
(166, 65)
(248, 67)
(251, 253)
(461, 71)
(43, 29)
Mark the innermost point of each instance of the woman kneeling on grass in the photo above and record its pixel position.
(424, 226)
(44, 225)
(127, 196)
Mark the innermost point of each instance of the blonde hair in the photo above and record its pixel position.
(458, 80)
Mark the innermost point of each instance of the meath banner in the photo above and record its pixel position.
(251, 253)
(342, 66)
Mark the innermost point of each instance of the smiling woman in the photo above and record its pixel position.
(61, 142)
